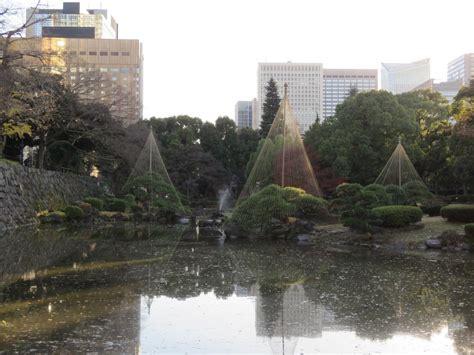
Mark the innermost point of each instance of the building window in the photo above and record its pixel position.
(114, 54)
(103, 54)
(73, 53)
(82, 53)
(125, 54)
(92, 53)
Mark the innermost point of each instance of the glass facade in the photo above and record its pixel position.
(244, 114)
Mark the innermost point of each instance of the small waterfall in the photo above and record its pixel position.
(224, 197)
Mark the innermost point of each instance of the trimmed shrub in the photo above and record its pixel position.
(274, 202)
(154, 190)
(397, 216)
(292, 193)
(74, 213)
(348, 190)
(397, 194)
(416, 192)
(95, 202)
(130, 198)
(117, 205)
(359, 219)
(458, 213)
(383, 198)
(469, 230)
(311, 206)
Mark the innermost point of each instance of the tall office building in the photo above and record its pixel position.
(462, 68)
(70, 22)
(337, 84)
(85, 50)
(448, 89)
(403, 77)
(305, 89)
(244, 113)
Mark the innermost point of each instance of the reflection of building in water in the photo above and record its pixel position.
(295, 316)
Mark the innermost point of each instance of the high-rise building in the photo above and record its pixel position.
(338, 83)
(305, 86)
(69, 22)
(244, 114)
(403, 77)
(462, 68)
(84, 48)
(448, 89)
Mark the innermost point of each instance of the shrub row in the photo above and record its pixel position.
(458, 213)
(397, 216)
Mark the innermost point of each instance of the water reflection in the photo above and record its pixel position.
(144, 291)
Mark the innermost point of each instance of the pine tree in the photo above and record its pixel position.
(270, 107)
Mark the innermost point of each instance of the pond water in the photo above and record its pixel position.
(144, 290)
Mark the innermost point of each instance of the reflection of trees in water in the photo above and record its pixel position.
(375, 296)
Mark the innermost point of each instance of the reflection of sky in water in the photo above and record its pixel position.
(206, 324)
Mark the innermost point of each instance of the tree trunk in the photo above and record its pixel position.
(41, 150)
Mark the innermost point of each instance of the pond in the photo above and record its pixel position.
(145, 290)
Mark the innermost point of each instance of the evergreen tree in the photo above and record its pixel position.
(270, 107)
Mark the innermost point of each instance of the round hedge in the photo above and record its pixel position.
(397, 216)
(458, 213)
(469, 230)
(117, 205)
(95, 202)
(74, 213)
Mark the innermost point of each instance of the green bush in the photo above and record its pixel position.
(383, 198)
(274, 202)
(130, 198)
(117, 205)
(397, 194)
(347, 190)
(416, 192)
(95, 202)
(311, 206)
(74, 213)
(397, 216)
(359, 219)
(154, 190)
(458, 213)
(357, 224)
(469, 230)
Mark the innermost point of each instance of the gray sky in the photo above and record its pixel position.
(201, 55)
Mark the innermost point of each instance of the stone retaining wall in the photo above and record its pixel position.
(25, 191)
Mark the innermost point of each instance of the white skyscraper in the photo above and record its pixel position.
(305, 86)
(462, 68)
(403, 77)
(337, 84)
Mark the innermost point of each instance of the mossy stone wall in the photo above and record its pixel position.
(26, 191)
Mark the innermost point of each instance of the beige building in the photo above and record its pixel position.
(338, 83)
(109, 71)
(305, 85)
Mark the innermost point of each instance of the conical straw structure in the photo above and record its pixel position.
(282, 159)
(399, 169)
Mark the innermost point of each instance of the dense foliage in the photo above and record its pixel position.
(270, 107)
(274, 202)
(356, 143)
(397, 216)
(458, 213)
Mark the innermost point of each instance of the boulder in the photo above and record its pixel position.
(433, 243)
